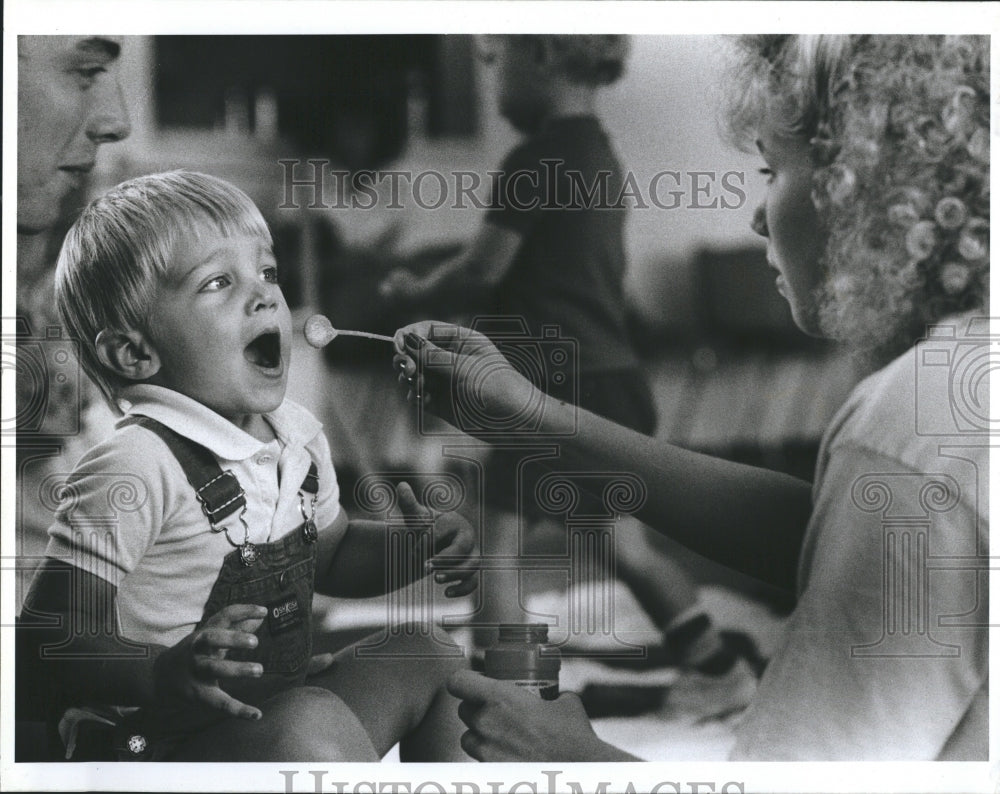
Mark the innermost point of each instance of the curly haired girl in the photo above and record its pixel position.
(898, 133)
(877, 221)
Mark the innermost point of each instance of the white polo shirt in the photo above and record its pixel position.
(130, 516)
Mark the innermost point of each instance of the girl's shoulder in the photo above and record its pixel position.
(926, 397)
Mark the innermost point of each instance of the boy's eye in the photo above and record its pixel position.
(766, 172)
(215, 284)
(271, 275)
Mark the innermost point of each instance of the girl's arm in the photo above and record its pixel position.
(749, 519)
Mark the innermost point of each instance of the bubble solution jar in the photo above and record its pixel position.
(523, 656)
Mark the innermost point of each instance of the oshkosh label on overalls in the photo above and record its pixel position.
(284, 614)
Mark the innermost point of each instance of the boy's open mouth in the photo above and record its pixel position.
(264, 350)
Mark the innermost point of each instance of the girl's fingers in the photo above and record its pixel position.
(404, 364)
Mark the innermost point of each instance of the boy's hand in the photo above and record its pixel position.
(191, 669)
(455, 558)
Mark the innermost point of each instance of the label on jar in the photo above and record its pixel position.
(546, 689)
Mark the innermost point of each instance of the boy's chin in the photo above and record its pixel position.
(261, 404)
(268, 404)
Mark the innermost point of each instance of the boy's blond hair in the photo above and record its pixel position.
(123, 242)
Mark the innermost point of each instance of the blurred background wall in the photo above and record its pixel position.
(732, 374)
(236, 105)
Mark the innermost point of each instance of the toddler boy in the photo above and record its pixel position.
(195, 605)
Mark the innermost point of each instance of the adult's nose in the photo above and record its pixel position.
(759, 222)
(486, 48)
(108, 120)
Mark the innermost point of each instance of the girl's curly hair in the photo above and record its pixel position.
(899, 129)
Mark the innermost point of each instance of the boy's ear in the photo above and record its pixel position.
(127, 353)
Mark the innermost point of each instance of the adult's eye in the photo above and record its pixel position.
(86, 76)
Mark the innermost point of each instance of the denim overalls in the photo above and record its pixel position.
(279, 575)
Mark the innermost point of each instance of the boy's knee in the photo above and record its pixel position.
(314, 724)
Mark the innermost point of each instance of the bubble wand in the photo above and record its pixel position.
(320, 332)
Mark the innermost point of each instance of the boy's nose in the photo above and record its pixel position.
(262, 298)
(759, 222)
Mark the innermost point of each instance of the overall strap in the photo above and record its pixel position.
(310, 484)
(218, 491)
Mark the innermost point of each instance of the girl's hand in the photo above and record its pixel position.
(454, 544)
(460, 376)
(191, 669)
(507, 723)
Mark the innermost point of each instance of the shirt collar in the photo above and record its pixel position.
(293, 425)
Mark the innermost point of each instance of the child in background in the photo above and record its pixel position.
(877, 220)
(196, 607)
(551, 252)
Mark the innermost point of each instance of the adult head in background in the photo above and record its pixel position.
(877, 218)
(69, 102)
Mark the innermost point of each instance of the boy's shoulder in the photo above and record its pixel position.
(130, 447)
(131, 471)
